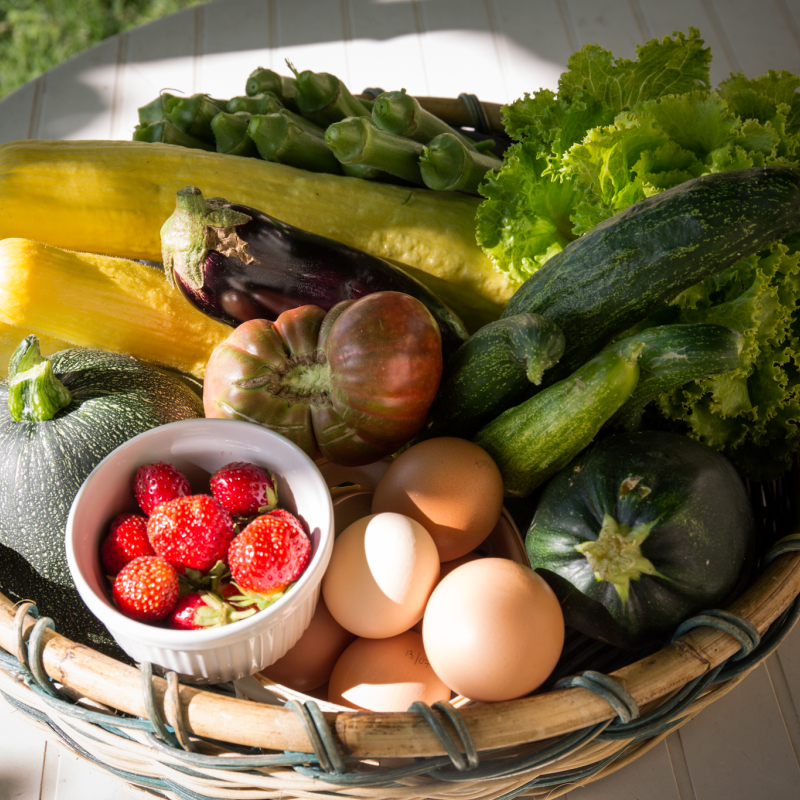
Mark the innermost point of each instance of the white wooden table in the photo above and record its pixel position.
(745, 746)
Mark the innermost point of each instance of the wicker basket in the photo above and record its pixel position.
(180, 741)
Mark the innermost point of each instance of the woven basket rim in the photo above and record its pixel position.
(401, 734)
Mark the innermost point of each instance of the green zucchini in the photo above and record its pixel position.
(634, 263)
(58, 418)
(674, 355)
(491, 371)
(641, 531)
(534, 440)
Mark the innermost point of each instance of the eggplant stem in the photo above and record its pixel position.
(184, 237)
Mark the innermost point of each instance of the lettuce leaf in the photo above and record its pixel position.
(668, 66)
(528, 217)
(512, 226)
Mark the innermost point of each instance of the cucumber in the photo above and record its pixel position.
(531, 442)
(491, 371)
(674, 355)
(630, 265)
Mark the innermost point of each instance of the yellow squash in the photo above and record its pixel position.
(101, 302)
(112, 198)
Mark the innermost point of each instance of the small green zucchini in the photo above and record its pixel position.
(674, 355)
(492, 371)
(534, 440)
(634, 263)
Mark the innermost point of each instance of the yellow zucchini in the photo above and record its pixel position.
(112, 197)
(102, 302)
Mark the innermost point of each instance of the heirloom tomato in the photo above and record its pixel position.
(352, 385)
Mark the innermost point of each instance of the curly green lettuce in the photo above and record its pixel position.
(618, 131)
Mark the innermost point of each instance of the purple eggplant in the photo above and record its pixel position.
(235, 263)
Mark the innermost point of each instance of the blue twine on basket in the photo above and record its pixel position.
(319, 734)
(753, 650)
(29, 652)
(741, 629)
(612, 691)
(477, 113)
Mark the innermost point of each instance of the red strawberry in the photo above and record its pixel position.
(191, 532)
(204, 610)
(126, 540)
(157, 483)
(269, 554)
(146, 589)
(244, 489)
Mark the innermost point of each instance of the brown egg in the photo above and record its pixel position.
(451, 486)
(309, 664)
(385, 675)
(382, 571)
(447, 568)
(348, 506)
(493, 630)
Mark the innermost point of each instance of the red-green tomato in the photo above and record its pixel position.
(352, 385)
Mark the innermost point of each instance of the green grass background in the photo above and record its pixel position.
(38, 34)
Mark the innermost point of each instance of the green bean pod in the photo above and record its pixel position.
(230, 134)
(447, 164)
(401, 114)
(324, 99)
(263, 103)
(356, 140)
(193, 114)
(283, 138)
(164, 131)
(266, 80)
(156, 109)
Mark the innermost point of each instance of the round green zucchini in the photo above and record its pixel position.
(105, 400)
(640, 532)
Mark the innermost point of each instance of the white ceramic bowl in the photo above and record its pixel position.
(198, 448)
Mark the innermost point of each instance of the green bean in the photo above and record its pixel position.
(356, 140)
(401, 114)
(448, 164)
(281, 137)
(230, 134)
(164, 131)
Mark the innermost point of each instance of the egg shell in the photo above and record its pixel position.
(446, 568)
(381, 573)
(451, 486)
(493, 630)
(308, 665)
(385, 675)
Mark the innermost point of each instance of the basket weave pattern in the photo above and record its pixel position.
(180, 741)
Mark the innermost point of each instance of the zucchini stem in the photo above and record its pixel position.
(35, 394)
(616, 555)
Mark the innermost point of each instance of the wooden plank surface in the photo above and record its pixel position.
(746, 745)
